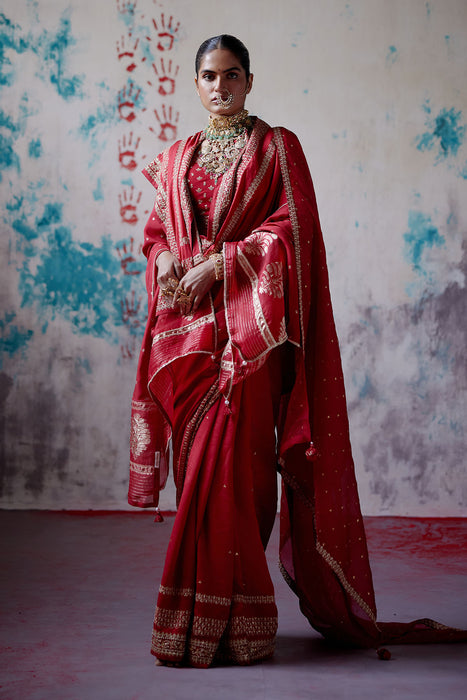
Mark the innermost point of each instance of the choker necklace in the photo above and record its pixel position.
(224, 140)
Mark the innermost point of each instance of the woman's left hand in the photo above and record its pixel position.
(193, 287)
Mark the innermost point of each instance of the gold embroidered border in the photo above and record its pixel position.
(172, 618)
(212, 599)
(190, 432)
(248, 196)
(168, 644)
(260, 320)
(142, 469)
(253, 599)
(184, 592)
(436, 625)
(201, 652)
(203, 321)
(252, 626)
(336, 567)
(244, 651)
(293, 218)
(208, 626)
(143, 405)
(185, 198)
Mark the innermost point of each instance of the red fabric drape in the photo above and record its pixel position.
(275, 293)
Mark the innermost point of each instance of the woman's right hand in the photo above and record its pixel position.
(168, 268)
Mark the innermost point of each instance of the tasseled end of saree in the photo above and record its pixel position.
(311, 453)
(158, 516)
(383, 654)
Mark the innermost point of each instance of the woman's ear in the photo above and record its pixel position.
(250, 83)
(196, 83)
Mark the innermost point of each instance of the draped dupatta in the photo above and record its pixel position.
(275, 292)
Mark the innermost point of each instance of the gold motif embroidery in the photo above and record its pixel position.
(184, 592)
(271, 281)
(172, 618)
(208, 626)
(143, 405)
(249, 626)
(253, 599)
(258, 243)
(143, 469)
(259, 316)
(140, 435)
(245, 651)
(212, 599)
(168, 644)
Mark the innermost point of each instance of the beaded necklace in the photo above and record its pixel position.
(224, 140)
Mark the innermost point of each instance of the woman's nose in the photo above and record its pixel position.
(219, 84)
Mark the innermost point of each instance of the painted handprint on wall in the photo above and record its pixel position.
(166, 33)
(129, 200)
(127, 254)
(167, 129)
(127, 149)
(126, 51)
(166, 74)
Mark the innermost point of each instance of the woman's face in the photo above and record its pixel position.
(221, 74)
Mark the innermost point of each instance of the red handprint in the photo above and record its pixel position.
(127, 7)
(127, 152)
(129, 350)
(165, 34)
(126, 52)
(126, 103)
(127, 258)
(128, 205)
(130, 308)
(168, 124)
(163, 73)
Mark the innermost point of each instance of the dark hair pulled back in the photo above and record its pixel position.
(224, 41)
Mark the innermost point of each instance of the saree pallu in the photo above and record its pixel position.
(274, 302)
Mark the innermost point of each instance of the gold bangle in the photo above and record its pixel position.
(218, 260)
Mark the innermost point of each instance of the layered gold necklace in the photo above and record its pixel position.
(224, 140)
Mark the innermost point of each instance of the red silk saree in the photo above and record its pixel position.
(250, 383)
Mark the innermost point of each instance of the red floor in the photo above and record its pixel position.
(78, 594)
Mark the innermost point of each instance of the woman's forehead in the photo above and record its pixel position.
(220, 60)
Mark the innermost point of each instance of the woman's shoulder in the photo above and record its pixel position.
(158, 166)
(281, 132)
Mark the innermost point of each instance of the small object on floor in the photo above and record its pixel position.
(158, 517)
(383, 654)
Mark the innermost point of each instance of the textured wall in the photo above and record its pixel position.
(90, 91)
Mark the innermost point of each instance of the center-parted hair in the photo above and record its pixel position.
(228, 42)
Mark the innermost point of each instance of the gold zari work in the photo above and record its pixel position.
(225, 139)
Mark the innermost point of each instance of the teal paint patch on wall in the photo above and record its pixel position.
(8, 158)
(82, 282)
(97, 192)
(12, 337)
(422, 234)
(446, 133)
(35, 148)
(51, 49)
(392, 55)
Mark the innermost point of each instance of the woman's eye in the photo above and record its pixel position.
(232, 76)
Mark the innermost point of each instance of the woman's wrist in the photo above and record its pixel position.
(218, 262)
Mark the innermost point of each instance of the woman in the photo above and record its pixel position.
(240, 366)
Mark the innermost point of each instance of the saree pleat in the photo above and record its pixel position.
(216, 599)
